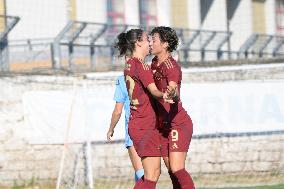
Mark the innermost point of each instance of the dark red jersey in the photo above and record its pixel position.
(138, 76)
(167, 71)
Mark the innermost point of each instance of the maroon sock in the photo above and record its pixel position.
(175, 182)
(139, 184)
(145, 184)
(184, 179)
(148, 184)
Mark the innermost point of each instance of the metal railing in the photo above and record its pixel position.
(87, 45)
(202, 43)
(85, 41)
(260, 45)
(7, 23)
(90, 42)
(30, 54)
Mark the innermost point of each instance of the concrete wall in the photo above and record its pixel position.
(250, 160)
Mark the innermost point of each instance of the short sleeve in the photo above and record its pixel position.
(173, 74)
(119, 95)
(145, 74)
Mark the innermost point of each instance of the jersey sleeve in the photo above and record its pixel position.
(119, 95)
(145, 74)
(173, 74)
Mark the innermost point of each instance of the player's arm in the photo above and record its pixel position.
(173, 76)
(172, 90)
(146, 77)
(152, 88)
(116, 114)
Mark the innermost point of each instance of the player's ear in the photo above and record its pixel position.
(165, 45)
(138, 43)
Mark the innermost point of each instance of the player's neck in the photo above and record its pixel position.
(139, 57)
(162, 57)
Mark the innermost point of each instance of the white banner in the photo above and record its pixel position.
(230, 107)
(54, 116)
(235, 107)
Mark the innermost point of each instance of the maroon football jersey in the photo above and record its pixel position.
(138, 76)
(168, 71)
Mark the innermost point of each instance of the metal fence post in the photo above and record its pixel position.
(56, 60)
(4, 51)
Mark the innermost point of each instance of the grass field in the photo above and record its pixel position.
(257, 187)
(128, 185)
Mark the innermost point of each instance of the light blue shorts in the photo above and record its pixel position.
(128, 142)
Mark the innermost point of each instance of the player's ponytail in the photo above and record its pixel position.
(125, 43)
(121, 44)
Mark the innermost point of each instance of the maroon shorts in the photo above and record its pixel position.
(146, 141)
(176, 138)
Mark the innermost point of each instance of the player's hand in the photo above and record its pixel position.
(171, 90)
(109, 135)
(167, 99)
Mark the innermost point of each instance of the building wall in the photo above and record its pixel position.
(46, 18)
(213, 16)
(279, 16)
(96, 11)
(72, 9)
(92, 11)
(270, 17)
(240, 24)
(38, 19)
(194, 14)
(179, 13)
(164, 12)
(2, 12)
(259, 22)
(132, 12)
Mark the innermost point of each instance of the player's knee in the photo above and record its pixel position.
(176, 167)
(153, 175)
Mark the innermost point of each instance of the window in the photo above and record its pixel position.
(148, 12)
(280, 17)
(115, 12)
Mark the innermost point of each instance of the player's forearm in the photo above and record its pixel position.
(114, 120)
(154, 91)
(157, 94)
